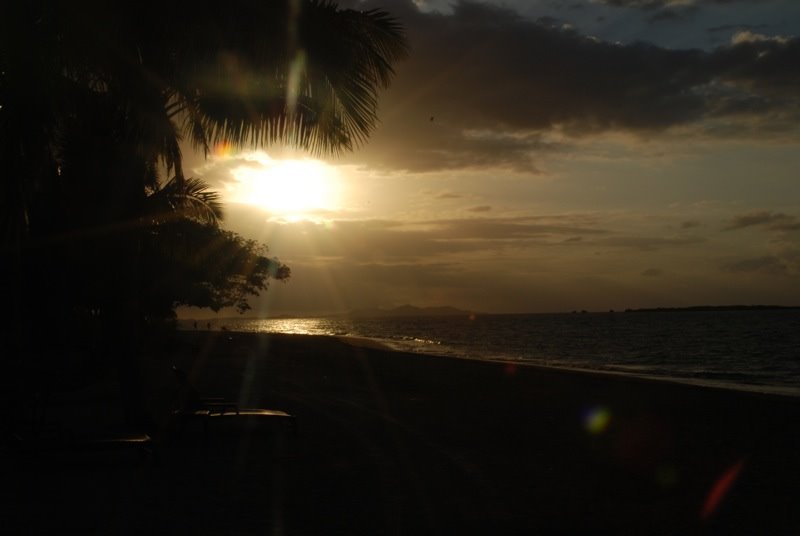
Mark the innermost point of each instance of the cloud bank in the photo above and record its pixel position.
(486, 87)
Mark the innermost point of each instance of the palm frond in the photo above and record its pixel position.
(312, 82)
(189, 198)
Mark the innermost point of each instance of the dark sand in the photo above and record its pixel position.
(392, 443)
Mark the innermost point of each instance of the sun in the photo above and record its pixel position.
(291, 189)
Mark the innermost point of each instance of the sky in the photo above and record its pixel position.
(548, 156)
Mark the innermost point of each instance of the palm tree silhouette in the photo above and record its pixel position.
(138, 81)
(255, 73)
(96, 98)
(184, 199)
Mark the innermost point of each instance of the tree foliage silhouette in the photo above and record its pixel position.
(95, 99)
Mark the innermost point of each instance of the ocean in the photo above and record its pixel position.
(740, 349)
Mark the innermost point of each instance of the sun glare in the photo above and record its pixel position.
(290, 189)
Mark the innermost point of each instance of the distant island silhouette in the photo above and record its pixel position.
(714, 308)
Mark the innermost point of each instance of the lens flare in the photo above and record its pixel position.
(720, 490)
(596, 420)
(223, 149)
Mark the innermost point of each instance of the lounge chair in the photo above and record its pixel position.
(210, 412)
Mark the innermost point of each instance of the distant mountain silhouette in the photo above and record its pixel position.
(712, 308)
(407, 311)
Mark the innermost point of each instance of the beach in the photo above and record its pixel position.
(397, 443)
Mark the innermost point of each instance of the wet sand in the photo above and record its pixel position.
(393, 443)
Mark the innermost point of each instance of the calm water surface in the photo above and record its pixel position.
(739, 349)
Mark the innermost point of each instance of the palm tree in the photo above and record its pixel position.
(254, 73)
(95, 99)
(183, 199)
(137, 79)
(304, 73)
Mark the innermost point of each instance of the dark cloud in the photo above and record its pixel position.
(448, 195)
(653, 272)
(374, 241)
(668, 10)
(660, 4)
(790, 225)
(767, 265)
(650, 243)
(774, 221)
(549, 21)
(481, 208)
(640, 4)
(506, 229)
(690, 224)
(498, 83)
(669, 15)
(784, 257)
(733, 28)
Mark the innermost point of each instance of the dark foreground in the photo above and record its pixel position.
(392, 443)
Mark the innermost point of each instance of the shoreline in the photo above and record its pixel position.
(403, 443)
(494, 446)
(386, 345)
(793, 392)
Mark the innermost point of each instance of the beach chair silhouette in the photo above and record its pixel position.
(211, 412)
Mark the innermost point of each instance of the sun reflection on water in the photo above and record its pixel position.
(294, 326)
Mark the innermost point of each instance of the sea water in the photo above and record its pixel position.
(741, 349)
